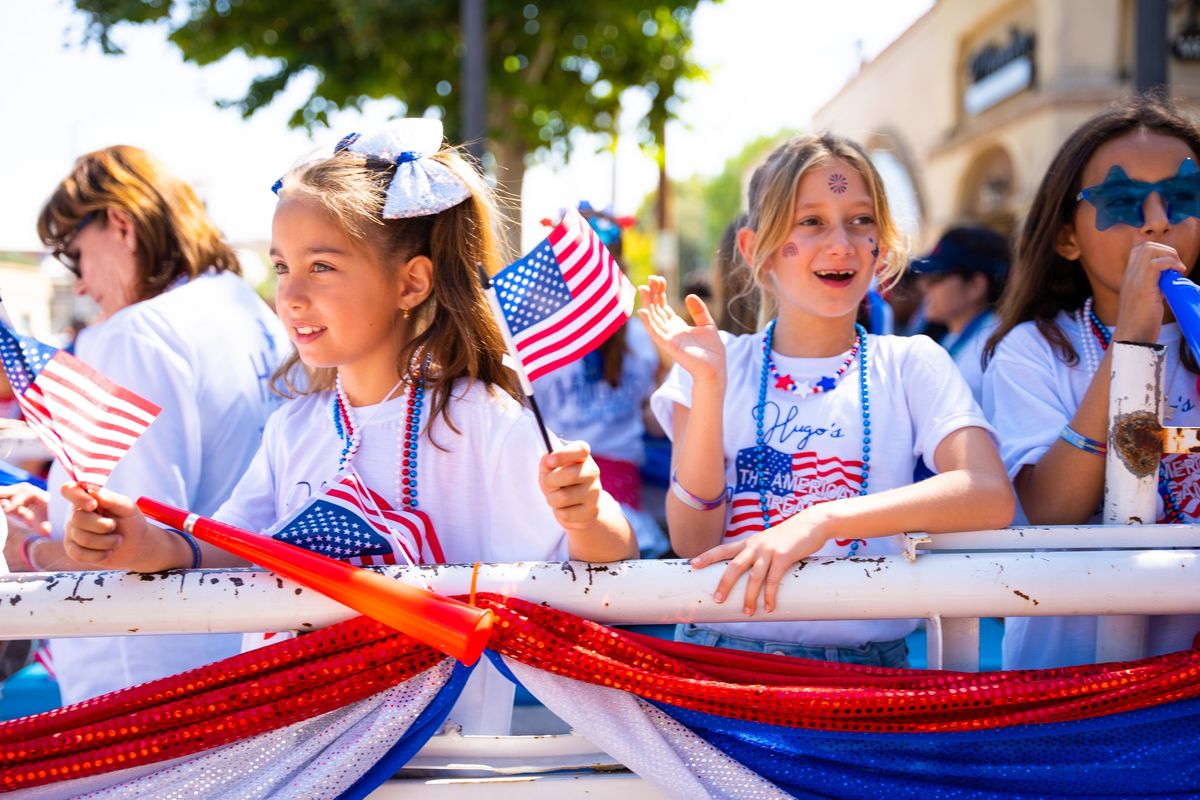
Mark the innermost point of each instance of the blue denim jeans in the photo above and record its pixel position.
(871, 654)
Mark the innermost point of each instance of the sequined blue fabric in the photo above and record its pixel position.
(1138, 754)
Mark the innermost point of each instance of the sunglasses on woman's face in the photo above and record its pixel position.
(1122, 201)
(69, 256)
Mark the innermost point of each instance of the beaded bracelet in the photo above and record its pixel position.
(27, 553)
(691, 501)
(192, 543)
(1078, 440)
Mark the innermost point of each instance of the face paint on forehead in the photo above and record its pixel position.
(1120, 200)
(838, 183)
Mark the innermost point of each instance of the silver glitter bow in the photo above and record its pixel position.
(421, 185)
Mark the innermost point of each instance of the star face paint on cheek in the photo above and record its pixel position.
(838, 183)
(790, 250)
(874, 248)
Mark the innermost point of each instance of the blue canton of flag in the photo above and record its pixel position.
(332, 531)
(351, 523)
(774, 465)
(532, 288)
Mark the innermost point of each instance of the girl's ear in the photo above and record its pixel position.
(745, 244)
(121, 224)
(415, 283)
(1067, 244)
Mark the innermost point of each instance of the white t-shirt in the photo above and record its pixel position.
(480, 490)
(966, 348)
(204, 352)
(1029, 394)
(577, 404)
(815, 452)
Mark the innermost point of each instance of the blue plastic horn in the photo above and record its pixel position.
(1183, 296)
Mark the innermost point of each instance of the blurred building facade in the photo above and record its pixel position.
(964, 111)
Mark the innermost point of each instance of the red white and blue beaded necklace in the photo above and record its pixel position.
(350, 434)
(804, 390)
(1086, 319)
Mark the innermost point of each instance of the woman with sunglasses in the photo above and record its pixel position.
(1120, 204)
(180, 327)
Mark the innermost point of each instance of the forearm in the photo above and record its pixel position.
(609, 537)
(1066, 486)
(960, 500)
(698, 464)
(160, 551)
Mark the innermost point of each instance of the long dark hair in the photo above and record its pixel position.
(1043, 283)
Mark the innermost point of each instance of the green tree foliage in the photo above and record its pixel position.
(553, 65)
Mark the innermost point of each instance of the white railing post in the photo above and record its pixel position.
(1131, 472)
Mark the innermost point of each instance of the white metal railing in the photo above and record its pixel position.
(953, 578)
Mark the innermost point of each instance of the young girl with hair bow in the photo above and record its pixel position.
(399, 398)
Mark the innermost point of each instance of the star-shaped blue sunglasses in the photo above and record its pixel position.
(1121, 200)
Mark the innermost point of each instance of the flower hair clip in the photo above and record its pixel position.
(421, 185)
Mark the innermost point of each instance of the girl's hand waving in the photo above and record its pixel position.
(697, 348)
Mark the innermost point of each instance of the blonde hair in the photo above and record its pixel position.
(772, 205)
(453, 326)
(175, 236)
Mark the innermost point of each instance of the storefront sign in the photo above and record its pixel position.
(999, 72)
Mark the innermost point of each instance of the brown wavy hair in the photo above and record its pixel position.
(772, 204)
(175, 236)
(454, 325)
(1042, 283)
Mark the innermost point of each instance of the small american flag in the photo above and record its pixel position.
(85, 419)
(351, 523)
(564, 299)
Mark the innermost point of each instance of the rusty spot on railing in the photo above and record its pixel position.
(1138, 439)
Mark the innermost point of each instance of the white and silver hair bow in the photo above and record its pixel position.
(421, 185)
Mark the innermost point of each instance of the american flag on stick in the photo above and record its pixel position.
(563, 299)
(86, 420)
(350, 522)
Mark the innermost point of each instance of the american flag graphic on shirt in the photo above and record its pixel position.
(87, 421)
(563, 299)
(350, 522)
(793, 481)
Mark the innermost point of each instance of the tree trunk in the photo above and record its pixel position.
(510, 178)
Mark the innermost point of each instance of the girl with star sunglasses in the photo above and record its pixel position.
(1118, 206)
(801, 439)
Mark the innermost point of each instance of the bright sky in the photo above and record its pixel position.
(772, 63)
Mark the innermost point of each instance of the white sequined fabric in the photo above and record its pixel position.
(646, 740)
(317, 758)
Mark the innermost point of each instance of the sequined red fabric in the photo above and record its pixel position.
(827, 696)
(211, 706)
(310, 675)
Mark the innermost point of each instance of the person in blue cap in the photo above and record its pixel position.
(962, 279)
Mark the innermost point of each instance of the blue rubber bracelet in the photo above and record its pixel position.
(1078, 440)
(192, 543)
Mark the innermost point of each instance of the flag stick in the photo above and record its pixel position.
(526, 385)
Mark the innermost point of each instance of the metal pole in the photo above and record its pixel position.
(474, 77)
(1131, 471)
(1150, 60)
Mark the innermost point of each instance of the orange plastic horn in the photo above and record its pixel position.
(449, 625)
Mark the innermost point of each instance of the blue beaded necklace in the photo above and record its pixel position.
(350, 434)
(1104, 338)
(859, 347)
